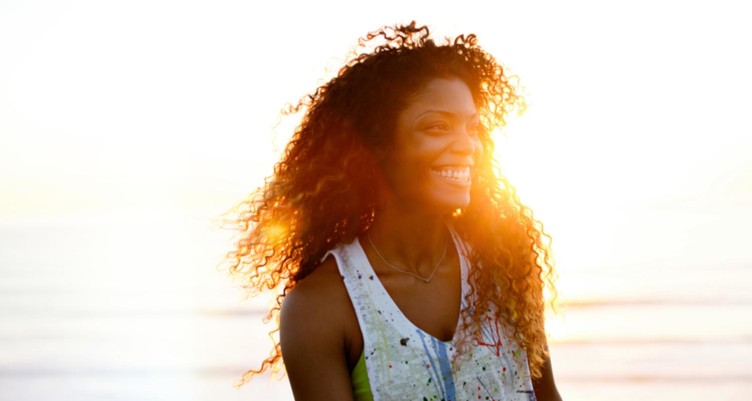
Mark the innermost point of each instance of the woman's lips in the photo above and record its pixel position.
(454, 174)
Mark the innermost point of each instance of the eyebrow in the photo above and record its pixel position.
(444, 113)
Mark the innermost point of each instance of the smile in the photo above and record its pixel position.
(455, 175)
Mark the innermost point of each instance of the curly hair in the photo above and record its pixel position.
(321, 193)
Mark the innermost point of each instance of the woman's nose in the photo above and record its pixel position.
(466, 142)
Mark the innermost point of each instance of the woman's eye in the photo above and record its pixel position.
(438, 126)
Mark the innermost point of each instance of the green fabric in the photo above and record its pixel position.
(359, 378)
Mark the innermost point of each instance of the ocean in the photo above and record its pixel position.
(134, 308)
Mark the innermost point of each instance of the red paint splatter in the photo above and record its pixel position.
(495, 334)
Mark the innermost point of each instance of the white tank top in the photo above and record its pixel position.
(406, 363)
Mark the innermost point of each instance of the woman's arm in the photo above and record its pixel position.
(545, 387)
(312, 342)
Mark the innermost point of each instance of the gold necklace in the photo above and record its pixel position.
(435, 269)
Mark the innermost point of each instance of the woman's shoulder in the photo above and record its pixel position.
(321, 284)
(319, 301)
(315, 334)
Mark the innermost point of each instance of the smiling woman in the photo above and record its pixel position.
(409, 267)
(436, 146)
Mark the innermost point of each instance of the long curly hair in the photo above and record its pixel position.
(322, 192)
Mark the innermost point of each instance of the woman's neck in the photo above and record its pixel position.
(410, 239)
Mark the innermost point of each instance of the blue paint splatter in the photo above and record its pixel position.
(448, 391)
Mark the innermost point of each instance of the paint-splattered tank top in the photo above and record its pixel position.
(406, 363)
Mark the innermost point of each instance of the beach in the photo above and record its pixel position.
(129, 309)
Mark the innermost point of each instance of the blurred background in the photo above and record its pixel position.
(127, 128)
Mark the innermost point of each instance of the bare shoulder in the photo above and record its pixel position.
(317, 313)
(313, 336)
(318, 296)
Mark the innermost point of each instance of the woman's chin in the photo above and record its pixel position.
(449, 204)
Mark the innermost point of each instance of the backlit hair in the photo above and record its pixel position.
(322, 191)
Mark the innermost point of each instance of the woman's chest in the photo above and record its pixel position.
(433, 307)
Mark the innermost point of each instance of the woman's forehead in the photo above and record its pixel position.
(443, 96)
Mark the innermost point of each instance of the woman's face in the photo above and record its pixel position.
(436, 147)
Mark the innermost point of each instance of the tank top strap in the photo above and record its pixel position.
(359, 277)
(380, 319)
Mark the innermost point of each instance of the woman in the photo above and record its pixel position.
(410, 269)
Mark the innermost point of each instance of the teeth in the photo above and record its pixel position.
(461, 174)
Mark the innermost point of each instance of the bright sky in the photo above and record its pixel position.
(635, 149)
(169, 105)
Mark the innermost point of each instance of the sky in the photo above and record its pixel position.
(113, 107)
